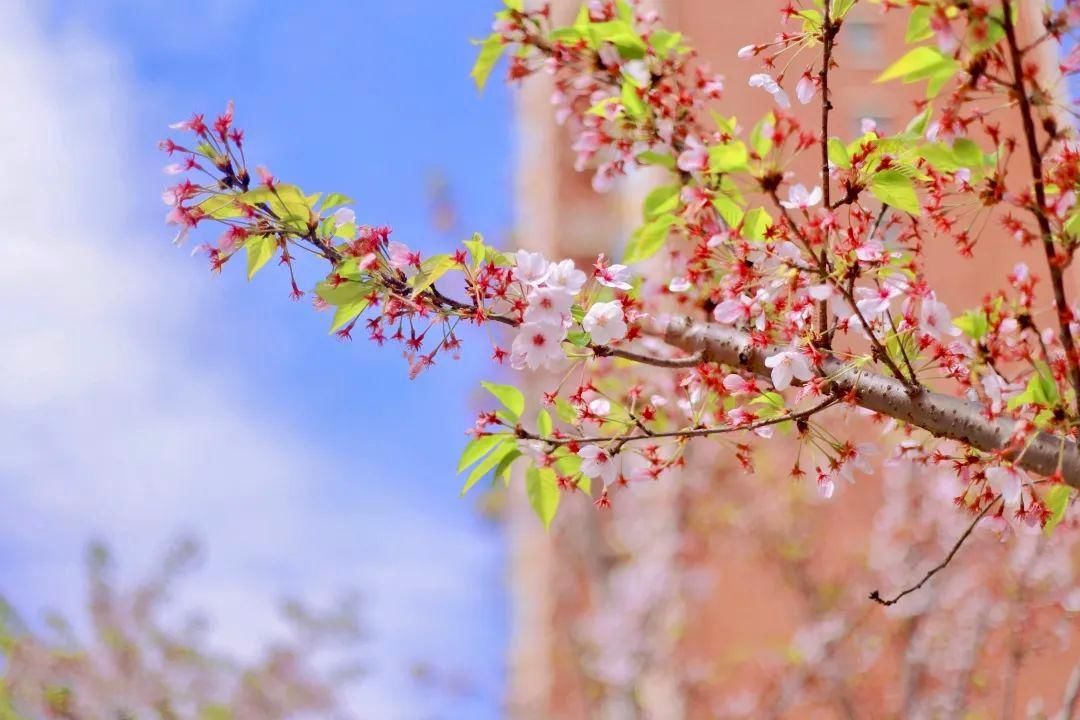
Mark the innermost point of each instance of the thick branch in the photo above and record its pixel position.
(940, 415)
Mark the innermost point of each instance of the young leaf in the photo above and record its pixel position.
(491, 49)
(728, 158)
(915, 63)
(479, 447)
(632, 102)
(490, 462)
(660, 200)
(1057, 501)
(896, 189)
(543, 423)
(260, 248)
(347, 312)
(543, 493)
(648, 239)
(511, 398)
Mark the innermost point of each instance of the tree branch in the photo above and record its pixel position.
(876, 596)
(941, 415)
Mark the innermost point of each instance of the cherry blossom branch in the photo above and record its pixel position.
(1039, 210)
(684, 434)
(876, 596)
(940, 415)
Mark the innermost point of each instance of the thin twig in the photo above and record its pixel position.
(876, 596)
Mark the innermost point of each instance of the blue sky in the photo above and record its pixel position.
(145, 397)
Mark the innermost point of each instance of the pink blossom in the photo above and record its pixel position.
(605, 322)
(766, 83)
(597, 463)
(788, 365)
(806, 88)
(799, 198)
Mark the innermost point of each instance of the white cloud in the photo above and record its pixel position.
(104, 427)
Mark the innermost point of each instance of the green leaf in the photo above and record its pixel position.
(1041, 390)
(841, 8)
(543, 492)
(755, 223)
(916, 63)
(509, 396)
(489, 463)
(479, 447)
(653, 158)
(333, 200)
(631, 101)
(518, 5)
(918, 28)
(622, 35)
(838, 154)
(760, 140)
(896, 189)
(664, 42)
(967, 153)
(578, 338)
(291, 206)
(973, 323)
(259, 248)
(663, 199)
(729, 210)
(565, 411)
(1072, 225)
(221, 207)
(431, 270)
(346, 312)
(543, 423)
(918, 124)
(648, 239)
(503, 469)
(1056, 500)
(728, 158)
(491, 49)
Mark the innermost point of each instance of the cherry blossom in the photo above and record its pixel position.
(799, 198)
(538, 345)
(766, 83)
(597, 463)
(605, 322)
(787, 365)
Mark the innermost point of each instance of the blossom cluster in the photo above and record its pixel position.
(825, 276)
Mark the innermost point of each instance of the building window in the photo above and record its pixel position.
(865, 42)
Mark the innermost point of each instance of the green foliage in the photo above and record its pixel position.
(1056, 500)
(974, 323)
(491, 49)
(662, 199)
(504, 447)
(511, 398)
(259, 248)
(838, 154)
(431, 270)
(730, 157)
(896, 189)
(543, 491)
(1041, 390)
(755, 224)
(649, 238)
(478, 448)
